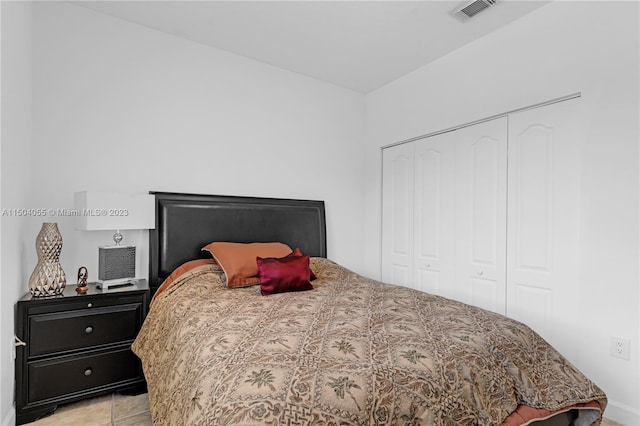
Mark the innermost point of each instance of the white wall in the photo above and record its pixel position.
(121, 107)
(561, 48)
(15, 152)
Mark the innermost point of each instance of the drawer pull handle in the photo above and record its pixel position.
(88, 372)
(89, 305)
(88, 329)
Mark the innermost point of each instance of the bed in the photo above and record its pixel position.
(350, 351)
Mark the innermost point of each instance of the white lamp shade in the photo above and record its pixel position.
(99, 211)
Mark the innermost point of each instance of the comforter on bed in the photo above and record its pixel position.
(351, 351)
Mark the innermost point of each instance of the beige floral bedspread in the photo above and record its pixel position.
(350, 352)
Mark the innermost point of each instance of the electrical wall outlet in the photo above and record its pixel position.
(620, 347)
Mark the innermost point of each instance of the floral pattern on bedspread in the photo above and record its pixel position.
(352, 351)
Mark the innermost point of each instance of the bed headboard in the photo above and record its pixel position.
(187, 222)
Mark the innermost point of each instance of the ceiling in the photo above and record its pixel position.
(360, 45)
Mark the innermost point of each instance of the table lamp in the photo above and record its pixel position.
(100, 211)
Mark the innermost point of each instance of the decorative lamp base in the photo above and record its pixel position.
(107, 284)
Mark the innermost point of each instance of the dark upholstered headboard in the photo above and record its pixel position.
(187, 222)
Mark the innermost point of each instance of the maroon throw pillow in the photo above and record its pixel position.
(289, 273)
(298, 253)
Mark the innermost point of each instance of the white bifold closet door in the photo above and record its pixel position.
(481, 214)
(444, 214)
(397, 211)
(418, 206)
(489, 214)
(543, 227)
(433, 221)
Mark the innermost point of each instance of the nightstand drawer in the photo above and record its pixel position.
(80, 303)
(64, 331)
(67, 375)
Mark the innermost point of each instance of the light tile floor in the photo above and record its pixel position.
(108, 410)
(119, 410)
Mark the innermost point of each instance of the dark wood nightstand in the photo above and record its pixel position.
(77, 346)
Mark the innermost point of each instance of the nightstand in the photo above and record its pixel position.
(77, 346)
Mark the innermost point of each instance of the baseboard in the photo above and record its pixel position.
(10, 418)
(621, 413)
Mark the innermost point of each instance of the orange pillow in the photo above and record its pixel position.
(238, 260)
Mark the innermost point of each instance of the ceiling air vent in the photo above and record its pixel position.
(471, 8)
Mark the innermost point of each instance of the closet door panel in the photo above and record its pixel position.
(433, 224)
(534, 189)
(544, 220)
(480, 214)
(397, 214)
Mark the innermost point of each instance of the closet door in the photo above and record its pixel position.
(481, 214)
(434, 215)
(544, 220)
(397, 214)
